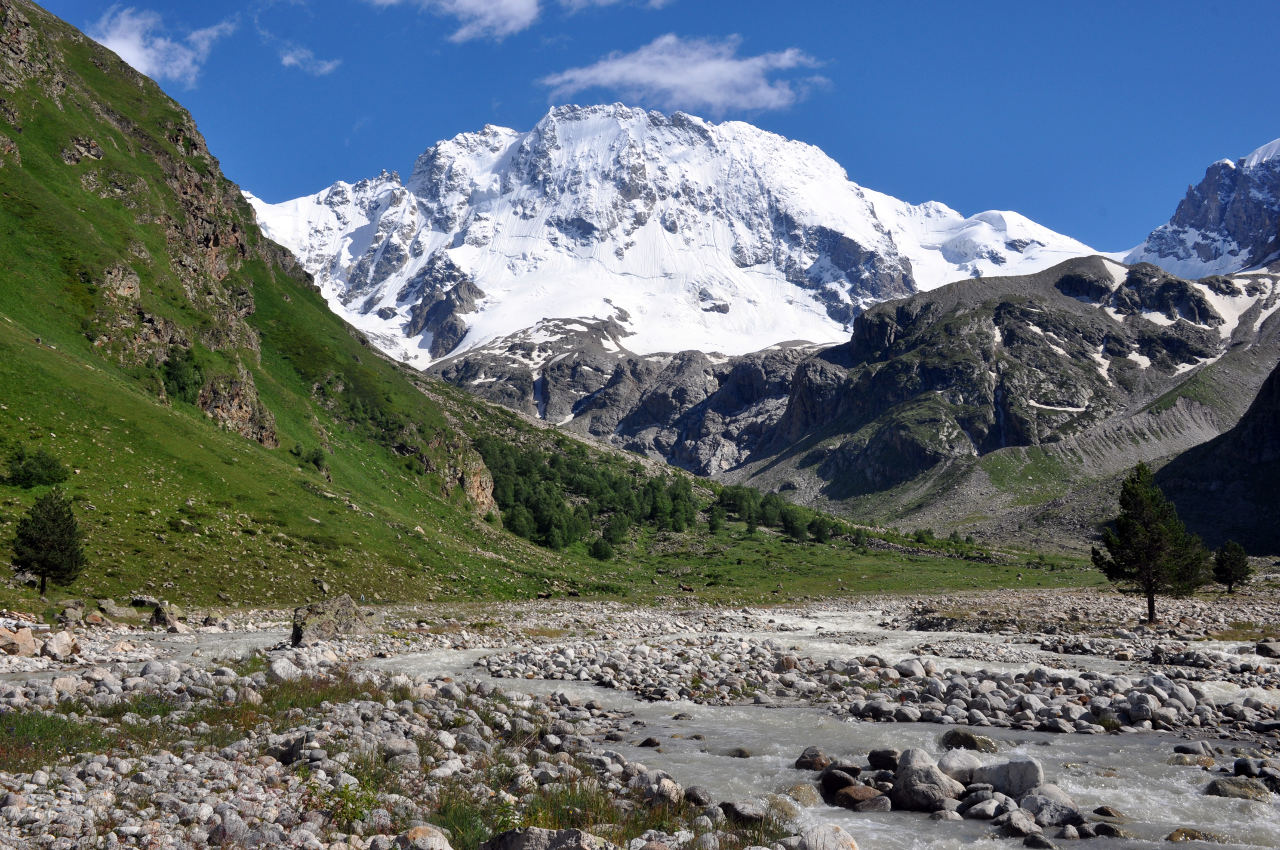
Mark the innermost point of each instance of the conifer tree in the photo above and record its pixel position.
(48, 542)
(1149, 551)
(1231, 565)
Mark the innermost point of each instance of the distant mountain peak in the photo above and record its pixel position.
(715, 237)
(1228, 222)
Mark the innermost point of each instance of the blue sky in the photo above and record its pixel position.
(1089, 117)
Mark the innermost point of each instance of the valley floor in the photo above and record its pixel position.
(891, 722)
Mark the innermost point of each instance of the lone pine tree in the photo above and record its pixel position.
(48, 542)
(1149, 551)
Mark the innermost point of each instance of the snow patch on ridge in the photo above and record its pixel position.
(1269, 151)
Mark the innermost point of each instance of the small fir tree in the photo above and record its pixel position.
(48, 542)
(1231, 565)
(715, 519)
(1149, 551)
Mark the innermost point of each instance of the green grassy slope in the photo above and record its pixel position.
(123, 249)
(102, 179)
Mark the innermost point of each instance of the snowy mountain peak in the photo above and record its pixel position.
(1228, 222)
(1263, 154)
(689, 234)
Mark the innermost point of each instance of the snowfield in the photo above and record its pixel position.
(690, 234)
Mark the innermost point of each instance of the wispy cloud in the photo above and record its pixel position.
(304, 60)
(678, 73)
(138, 37)
(578, 5)
(494, 19)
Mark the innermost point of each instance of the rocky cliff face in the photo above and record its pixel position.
(1228, 488)
(684, 233)
(181, 191)
(1228, 222)
(1092, 364)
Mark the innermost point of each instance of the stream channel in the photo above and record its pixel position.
(1128, 772)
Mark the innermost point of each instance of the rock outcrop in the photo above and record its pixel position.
(1228, 222)
(329, 619)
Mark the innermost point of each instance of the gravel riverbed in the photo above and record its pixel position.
(895, 722)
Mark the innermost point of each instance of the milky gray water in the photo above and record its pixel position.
(1128, 772)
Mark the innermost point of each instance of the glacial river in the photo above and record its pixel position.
(1127, 772)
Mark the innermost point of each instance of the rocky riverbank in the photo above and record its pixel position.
(227, 735)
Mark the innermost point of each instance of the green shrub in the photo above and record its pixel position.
(182, 375)
(34, 469)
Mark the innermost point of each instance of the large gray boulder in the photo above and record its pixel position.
(963, 739)
(1051, 810)
(425, 837)
(959, 765)
(1014, 777)
(21, 642)
(60, 646)
(329, 619)
(827, 836)
(1238, 787)
(919, 786)
(166, 615)
(535, 838)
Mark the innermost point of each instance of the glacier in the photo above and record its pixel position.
(683, 233)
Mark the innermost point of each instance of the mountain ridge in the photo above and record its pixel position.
(688, 234)
(1228, 222)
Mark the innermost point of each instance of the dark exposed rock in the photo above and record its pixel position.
(1230, 220)
(234, 404)
(329, 619)
(812, 759)
(1224, 488)
(1085, 360)
(1240, 787)
(963, 739)
(884, 759)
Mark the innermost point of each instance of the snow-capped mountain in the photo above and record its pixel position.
(1227, 223)
(683, 233)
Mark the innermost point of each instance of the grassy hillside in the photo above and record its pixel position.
(291, 451)
(232, 442)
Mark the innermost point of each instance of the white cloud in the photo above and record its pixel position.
(579, 5)
(495, 19)
(304, 60)
(697, 74)
(135, 36)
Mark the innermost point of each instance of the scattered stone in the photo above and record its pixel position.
(850, 796)
(283, 670)
(1186, 833)
(812, 759)
(60, 646)
(164, 615)
(1268, 649)
(826, 837)
(535, 838)
(20, 642)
